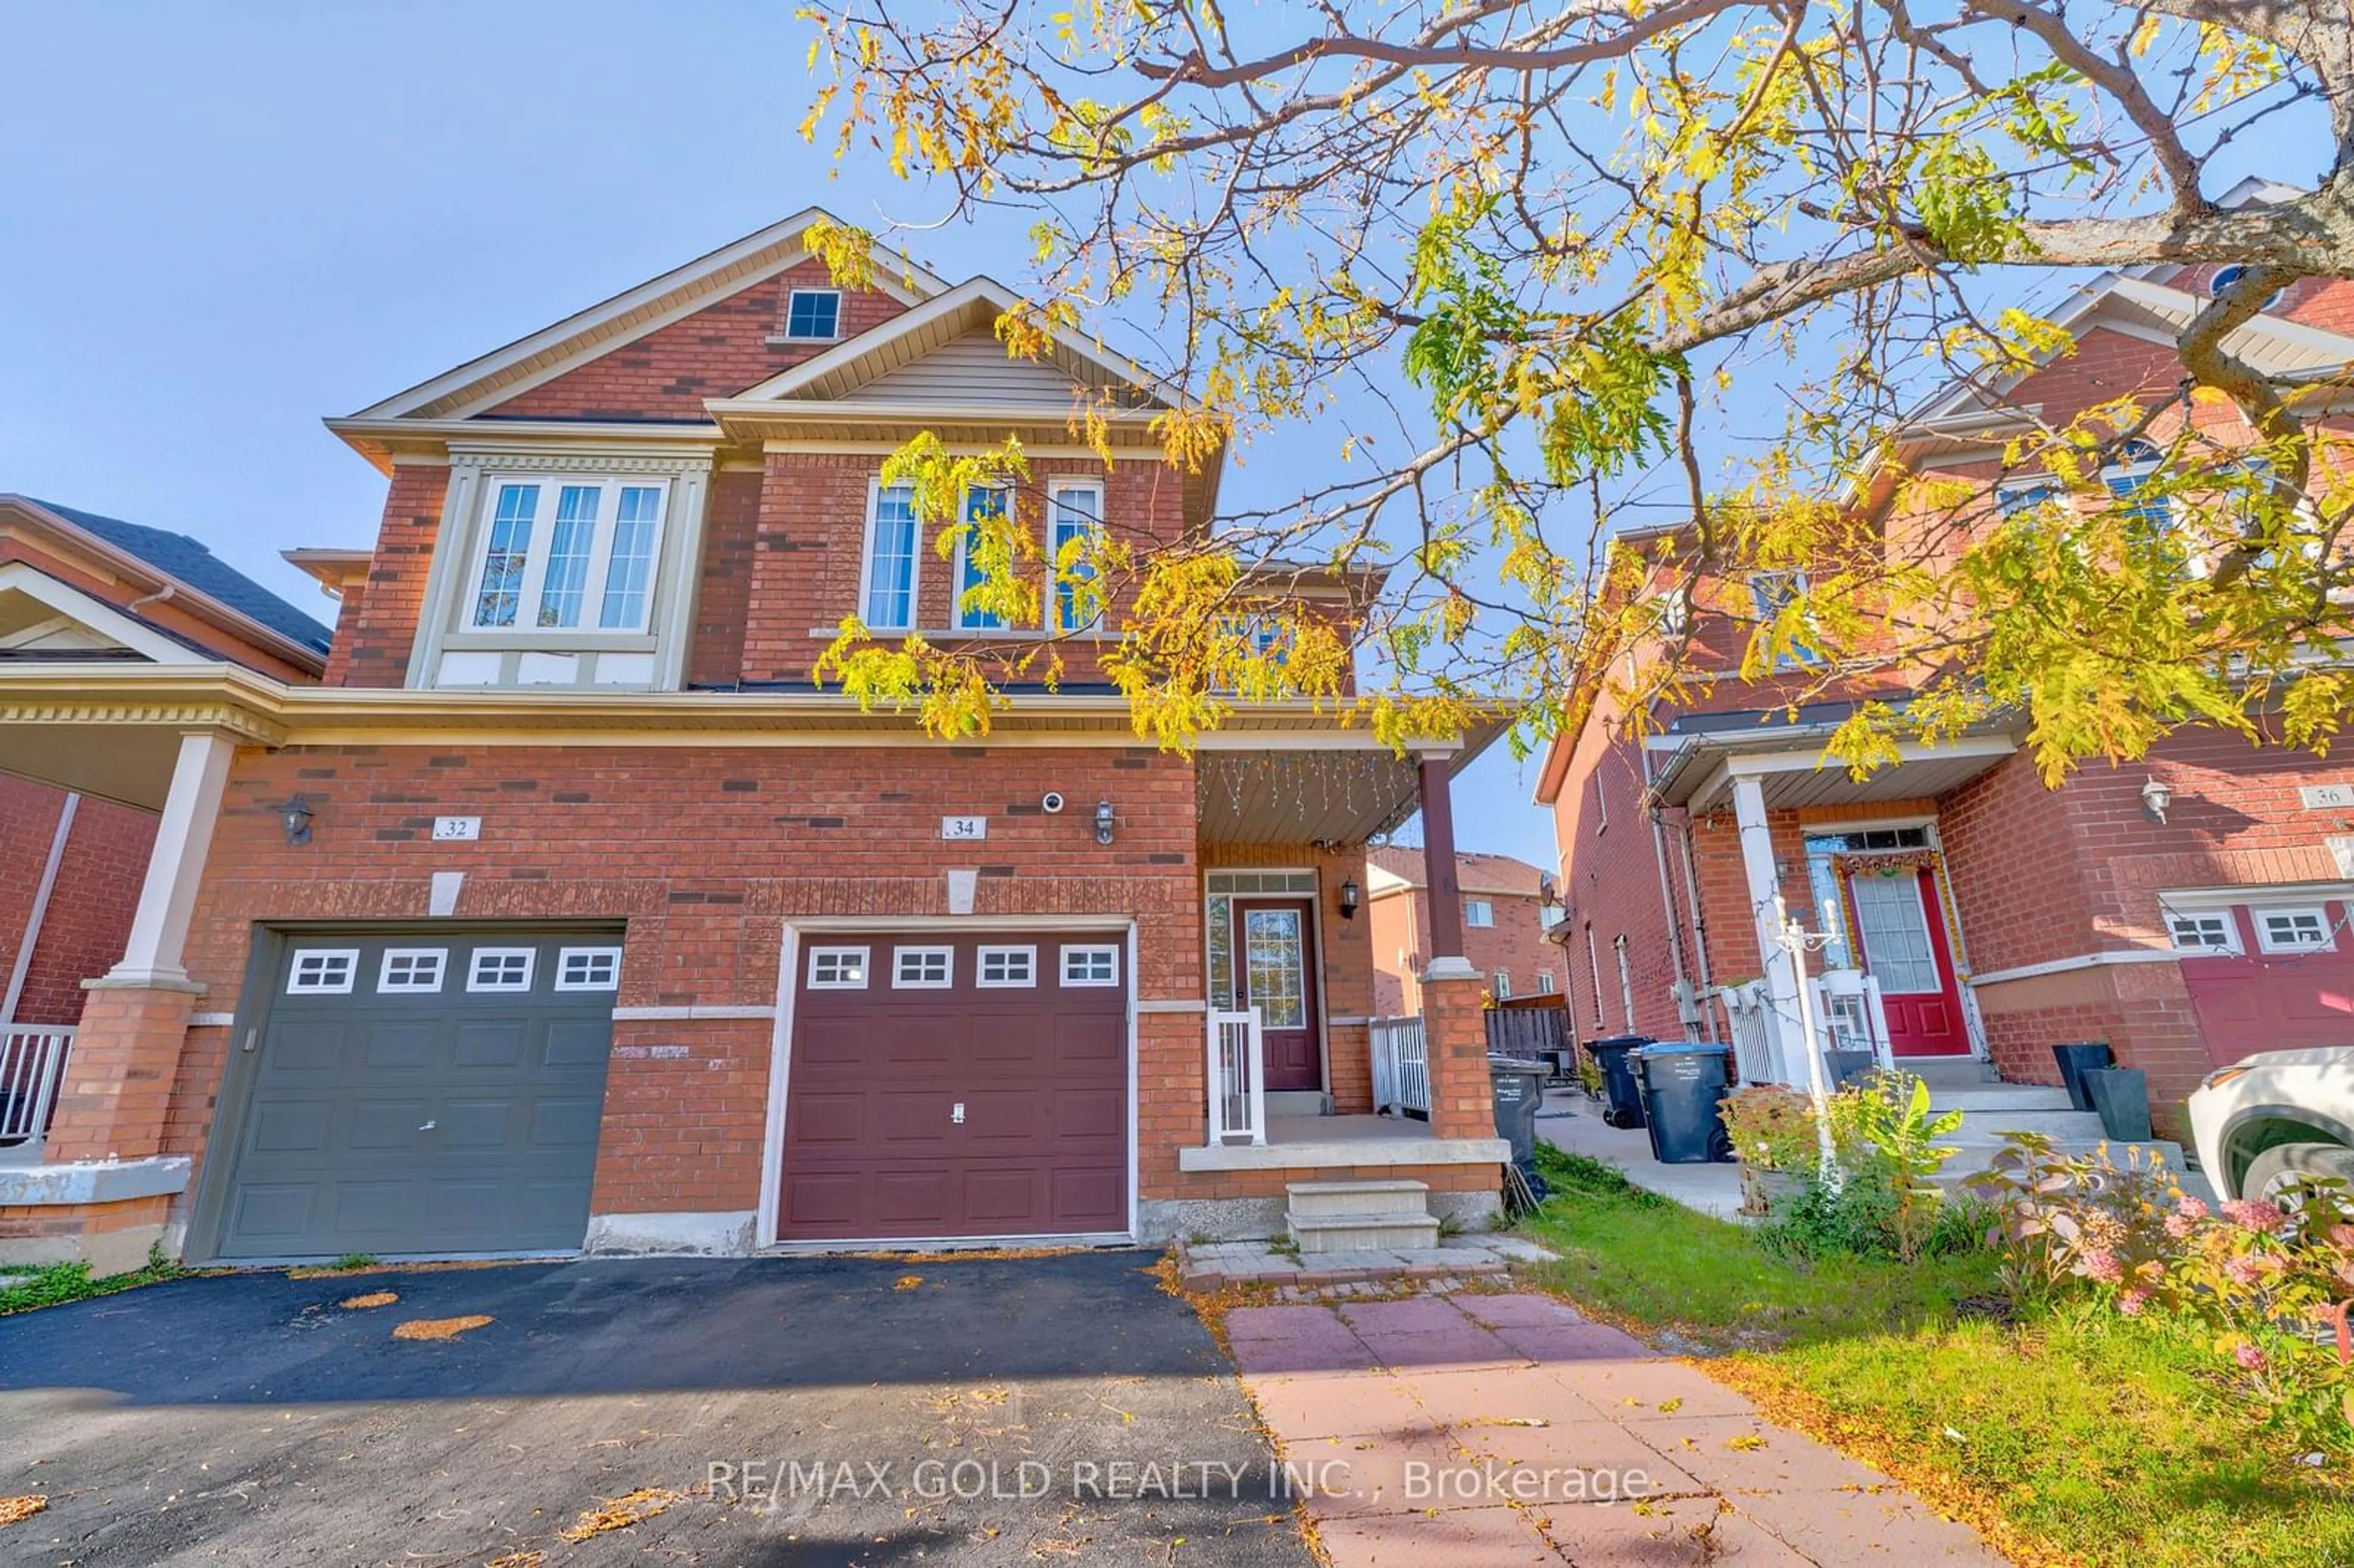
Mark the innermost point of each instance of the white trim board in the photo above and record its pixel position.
(2080, 962)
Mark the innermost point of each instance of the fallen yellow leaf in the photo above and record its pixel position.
(372, 1298)
(619, 1513)
(436, 1327)
(16, 1510)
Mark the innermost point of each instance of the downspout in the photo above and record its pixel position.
(22, 966)
(1706, 977)
(1668, 903)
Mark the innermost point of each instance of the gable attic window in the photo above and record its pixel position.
(568, 555)
(814, 315)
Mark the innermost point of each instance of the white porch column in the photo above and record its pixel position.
(159, 931)
(1781, 975)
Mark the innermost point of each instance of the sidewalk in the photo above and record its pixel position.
(1490, 1431)
(1573, 1124)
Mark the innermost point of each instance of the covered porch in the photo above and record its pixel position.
(1860, 865)
(1299, 1074)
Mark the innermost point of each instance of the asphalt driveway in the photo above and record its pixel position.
(802, 1413)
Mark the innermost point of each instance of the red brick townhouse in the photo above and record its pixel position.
(1504, 917)
(570, 912)
(2189, 909)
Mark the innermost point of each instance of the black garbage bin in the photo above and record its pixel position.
(1684, 1083)
(1622, 1102)
(1519, 1089)
(2075, 1059)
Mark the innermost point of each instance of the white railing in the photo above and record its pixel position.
(1850, 1015)
(1752, 1015)
(32, 1064)
(1400, 1065)
(1237, 1077)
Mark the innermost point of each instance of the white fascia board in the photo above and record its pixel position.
(98, 616)
(891, 267)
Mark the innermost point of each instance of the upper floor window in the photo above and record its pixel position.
(2132, 479)
(558, 556)
(982, 504)
(1075, 523)
(1503, 985)
(1479, 912)
(892, 536)
(1772, 593)
(814, 315)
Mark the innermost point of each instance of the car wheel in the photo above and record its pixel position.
(2275, 1175)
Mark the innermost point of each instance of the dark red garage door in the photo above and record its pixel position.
(957, 1086)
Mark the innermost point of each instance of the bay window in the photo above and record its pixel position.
(567, 555)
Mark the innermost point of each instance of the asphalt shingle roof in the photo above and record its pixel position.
(188, 560)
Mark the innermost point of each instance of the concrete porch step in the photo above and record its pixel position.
(2059, 1126)
(1400, 1197)
(1948, 1071)
(1320, 1234)
(1973, 1157)
(1999, 1098)
(1298, 1102)
(1360, 1216)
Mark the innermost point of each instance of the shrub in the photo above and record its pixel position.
(1770, 1127)
(2259, 1284)
(1886, 1201)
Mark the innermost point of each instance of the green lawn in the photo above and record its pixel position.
(2068, 1436)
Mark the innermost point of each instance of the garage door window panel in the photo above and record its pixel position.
(2294, 929)
(922, 968)
(837, 969)
(411, 971)
(1093, 965)
(323, 971)
(588, 969)
(502, 969)
(1007, 967)
(2207, 933)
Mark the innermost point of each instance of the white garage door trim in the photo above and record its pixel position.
(780, 1049)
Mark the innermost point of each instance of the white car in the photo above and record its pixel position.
(2275, 1115)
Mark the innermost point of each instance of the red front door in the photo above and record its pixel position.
(1900, 936)
(1273, 948)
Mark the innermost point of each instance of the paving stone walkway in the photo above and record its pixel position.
(1493, 1430)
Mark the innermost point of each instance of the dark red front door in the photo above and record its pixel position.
(1901, 936)
(965, 1085)
(1275, 950)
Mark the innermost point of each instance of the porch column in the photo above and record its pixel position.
(1781, 976)
(117, 1087)
(1438, 861)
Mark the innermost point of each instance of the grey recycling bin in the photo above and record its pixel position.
(1684, 1083)
(1622, 1100)
(1519, 1090)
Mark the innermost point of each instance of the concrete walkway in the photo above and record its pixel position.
(1574, 1124)
(1502, 1430)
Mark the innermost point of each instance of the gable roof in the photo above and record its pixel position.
(505, 372)
(187, 562)
(1401, 868)
(848, 369)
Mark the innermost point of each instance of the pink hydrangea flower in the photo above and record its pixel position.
(2254, 1214)
(2243, 1270)
(2192, 1209)
(2131, 1303)
(2104, 1265)
(2180, 1226)
(2250, 1356)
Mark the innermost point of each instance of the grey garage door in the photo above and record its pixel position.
(424, 1094)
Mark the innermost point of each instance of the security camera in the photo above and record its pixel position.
(1052, 802)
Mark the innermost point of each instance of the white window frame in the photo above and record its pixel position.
(552, 485)
(1028, 954)
(957, 613)
(1480, 913)
(1546, 985)
(875, 488)
(834, 955)
(1625, 980)
(335, 964)
(1092, 515)
(1767, 608)
(530, 956)
(408, 984)
(1593, 973)
(1089, 952)
(2326, 942)
(608, 958)
(1500, 984)
(2230, 947)
(785, 328)
(923, 957)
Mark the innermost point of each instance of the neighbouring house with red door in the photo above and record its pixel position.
(2188, 909)
(565, 910)
(1505, 912)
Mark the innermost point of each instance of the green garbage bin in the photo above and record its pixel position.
(1683, 1084)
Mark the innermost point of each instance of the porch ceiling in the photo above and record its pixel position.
(1792, 773)
(128, 763)
(1302, 797)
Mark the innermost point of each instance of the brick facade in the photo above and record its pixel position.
(90, 905)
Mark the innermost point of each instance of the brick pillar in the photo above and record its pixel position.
(1455, 1029)
(118, 1081)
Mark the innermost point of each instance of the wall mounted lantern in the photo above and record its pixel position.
(297, 814)
(1350, 894)
(2157, 795)
(1104, 821)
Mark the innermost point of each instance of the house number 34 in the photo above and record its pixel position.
(964, 827)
